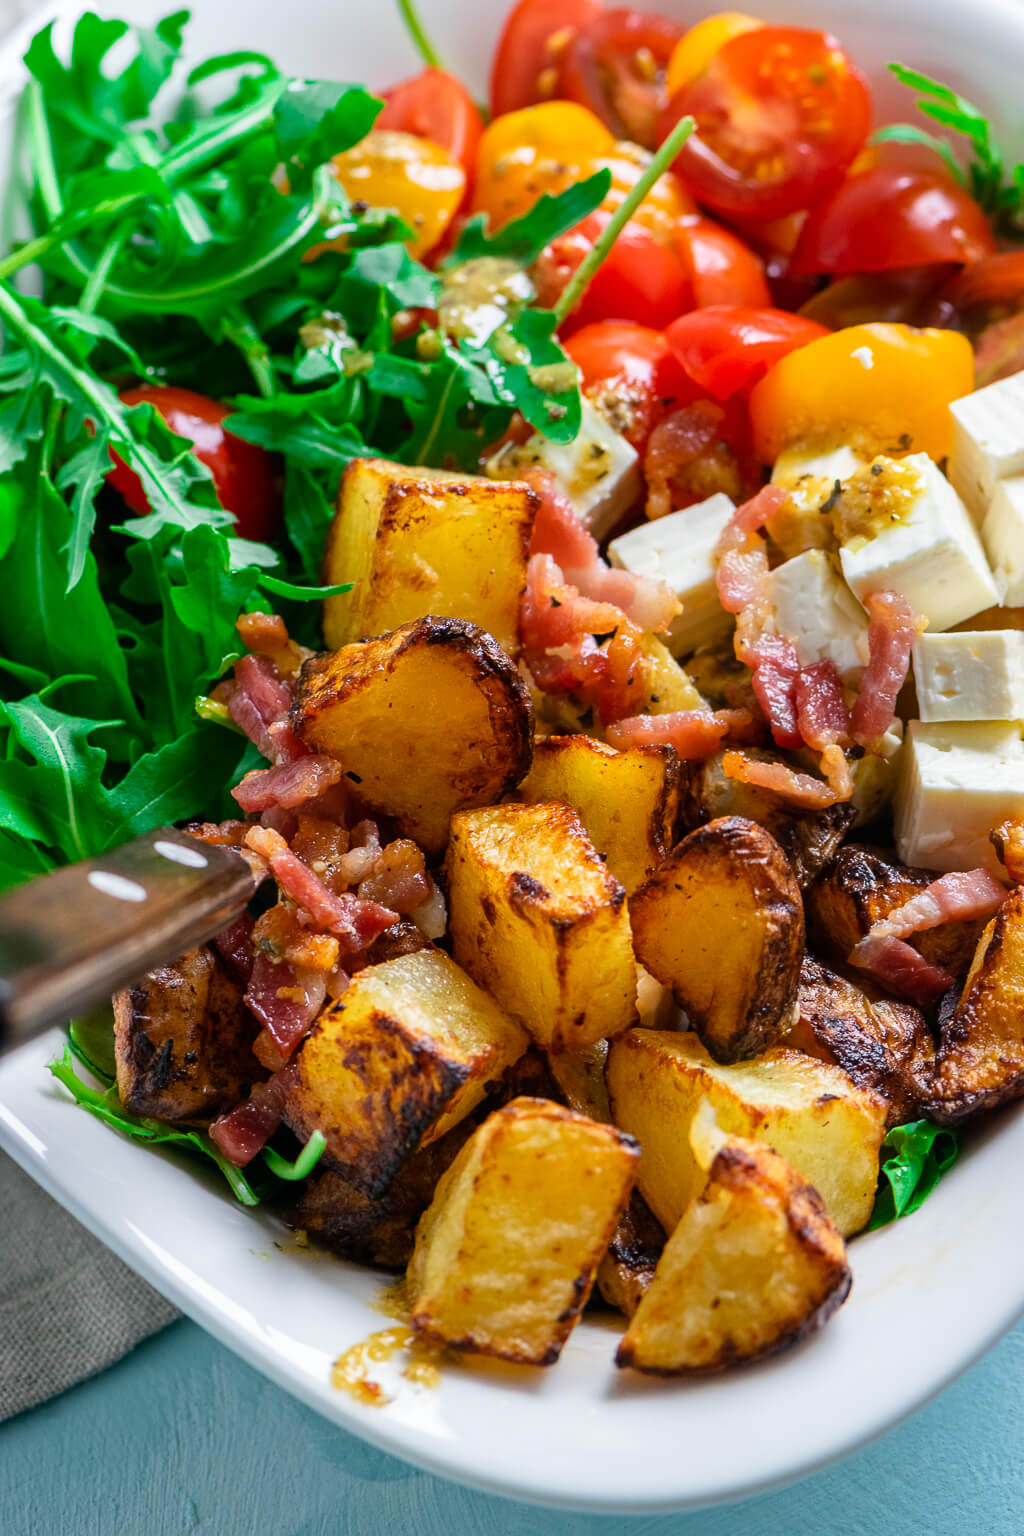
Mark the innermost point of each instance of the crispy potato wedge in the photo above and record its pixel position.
(414, 542)
(537, 919)
(721, 923)
(183, 1041)
(810, 1112)
(628, 801)
(427, 720)
(880, 1044)
(405, 1054)
(860, 889)
(754, 1265)
(627, 1269)
(506, 1254)
(809, 839)
(980, 1060)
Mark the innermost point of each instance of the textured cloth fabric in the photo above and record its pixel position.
(68, 1306)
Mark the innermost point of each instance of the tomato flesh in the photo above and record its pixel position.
(631, 373)
(780, 112)
(722, 269)
(242, 474)
(726, 350)
(434, 105)
(527, 62)
(615, 65)
(640, 279)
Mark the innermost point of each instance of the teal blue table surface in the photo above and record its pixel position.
(182, 1438)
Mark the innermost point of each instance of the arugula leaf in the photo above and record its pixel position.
(985, 172)
(914, 1158)
(524, 238)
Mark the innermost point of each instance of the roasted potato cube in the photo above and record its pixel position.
(537, 919)
(627, 1269)
(664, 686)
(754, 1265)
(404, 1054)
(879, 1043)
(507, 1253)
(861, 888)
(183, 1041)
(980, 1060)
(808, 1111)
(426, 720)
(809, 839)
(721, 923)
(628, 801)
(415, 542)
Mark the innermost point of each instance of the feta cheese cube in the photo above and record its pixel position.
(817, 611)
(988, 441)
(931, 554)
(680, 549)
(598, 473)
(957, 783)
(810, 479)
(970, 676)
(1002, 534)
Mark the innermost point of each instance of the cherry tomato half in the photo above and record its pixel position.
(698, 46)
(631, 374)
(640, 279)
(726, 350)
(892, 214)
(722, 269)
(434, 105)
(780, 112)
(615, 65)
(242, 474)
(527, 62)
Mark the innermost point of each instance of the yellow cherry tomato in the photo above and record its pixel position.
(416, 177)
(694, 51)
(876, 387)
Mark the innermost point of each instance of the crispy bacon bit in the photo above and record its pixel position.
(960, 897)
(356, 923)
(286, 1000)
(837, 773)
(1008, 841)
(399, 878)
(694, 733)
(689, 458)
(823, 719)
(234, 945)
(892, 628)
(800, 788)
(900, 968)
(246, 1129)
(279, 934)
(260, 703)
(289, 785)
(741, 552)
(776, 671)
(224, 834)
(266, 635)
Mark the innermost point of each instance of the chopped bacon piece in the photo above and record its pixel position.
(224, 834)
(800, 788)
(260, 703)
(892, 628)
(246, 1129)
(900, 968)
(694, 733)
(286, 1000)
(234, 945)
(355, 922)
(823, 719)
(1008, 841)
(557, 531)
(741, 552)
(690, 455)
(962, 896)
(776, 670)
(837, 773)
(289, 785)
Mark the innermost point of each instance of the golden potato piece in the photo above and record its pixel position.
(405, 1053)
(754, 1265)
(808, 1111)
(808, 838)
(426, 720)
(183, 1041)
(627, 1269)
(628, 801)
(880, 1044)
(506, 1255)
(861, 888)
(721, 923)
(414, 542)
(980, 1060)
(537, 919)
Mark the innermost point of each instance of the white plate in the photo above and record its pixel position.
(930, 1294)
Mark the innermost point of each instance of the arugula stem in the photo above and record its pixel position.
(93, 290)
(416, 31)
(44, 164)
(581, 278)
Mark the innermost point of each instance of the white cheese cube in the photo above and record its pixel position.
(930, 554)
(598, 473)
(970, 676)
(988, 441)
(957, 783)
(817, 611)
(680, 549)
(811, 476)
(1002, 534)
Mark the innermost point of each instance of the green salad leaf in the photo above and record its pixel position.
(914, 1158)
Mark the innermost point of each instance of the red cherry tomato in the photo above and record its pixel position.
(242, 475)
(528, 59)
(892, 215)
(905, 296)
(434, 105)
(615, 65)
(722, 269)
(631, 373)
(991, 289)
(780, 112)
(727, 350)
(640, 279)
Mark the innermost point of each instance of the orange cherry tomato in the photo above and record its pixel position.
(527, 62)
(880, 386)
(696, 48)
(721, 267)
(417, 178)
(434, 105)
(615, 65)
